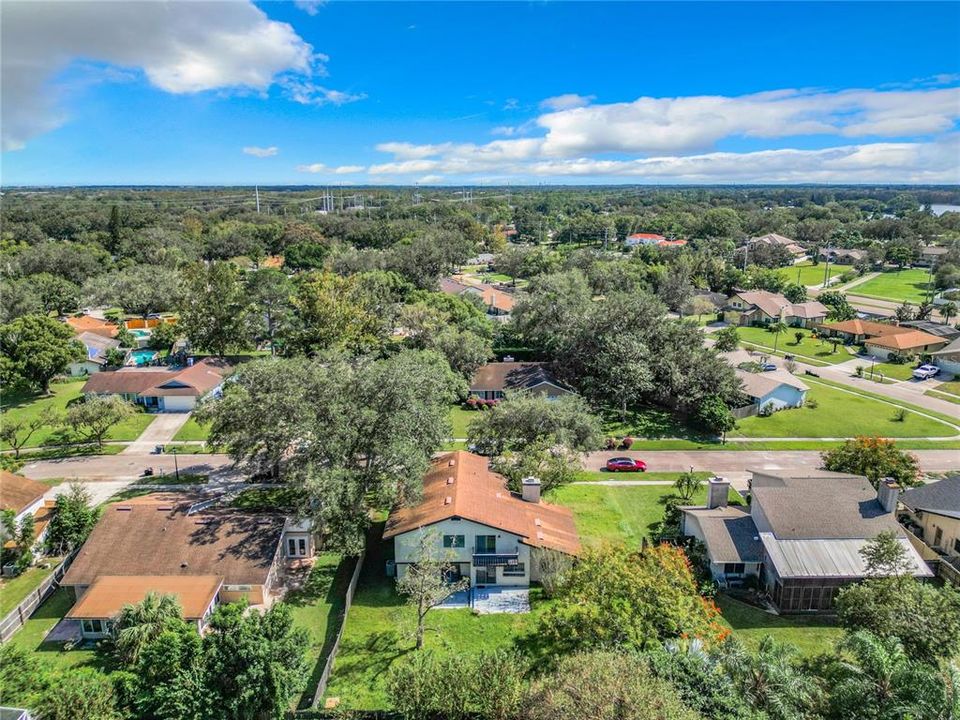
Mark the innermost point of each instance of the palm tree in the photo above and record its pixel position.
(948, 311)
(776, 328)
(137, 625)
(771, 681)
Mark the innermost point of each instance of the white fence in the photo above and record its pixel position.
(20, 614)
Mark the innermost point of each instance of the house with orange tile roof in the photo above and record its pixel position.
(909, 343)
(25, 497)
(88, 323)
(498, 303)
(492, 534)
(856, 331)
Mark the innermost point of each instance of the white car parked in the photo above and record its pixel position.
(925, 371)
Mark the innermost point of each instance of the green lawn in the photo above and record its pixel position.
(811, 274)
(257, 499)
(873, 371)
(840, 414)
(17, 407)
(14, 590)
(317, 607)
(31, 636)
(651, 423)
(810, 634)
(949, 397)
(460, 419)
(899, 286)
(949, 388)
(192, 430)
(625, 513)
(809, 347)
(379, 631)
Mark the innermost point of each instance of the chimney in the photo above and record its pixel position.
(717, 491)
(888, 493)
(530, 489)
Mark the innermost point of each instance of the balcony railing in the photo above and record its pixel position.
(502, 556)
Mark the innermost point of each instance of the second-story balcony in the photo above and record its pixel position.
(483, 557)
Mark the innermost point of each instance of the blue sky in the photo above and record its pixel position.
(357, 93)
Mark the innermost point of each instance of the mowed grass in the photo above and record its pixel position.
(26, 407)
(620, 513)
(897, 285)
(811, 634)
(810, 274)
(14, 590)
(808, 347)
(192, 430)
(317, 607)
(873, 371)
(460, 419)
(840, 414)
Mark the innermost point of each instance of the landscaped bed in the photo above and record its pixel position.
(840, 413)
(896, 285)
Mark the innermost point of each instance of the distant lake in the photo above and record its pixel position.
(941, 209)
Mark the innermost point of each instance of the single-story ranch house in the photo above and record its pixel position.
(913, 342)
(843, 255)
(499, 304)
(935, 509)
(162, 389)
(97, 347)
(801, 535)
(200, 553)
(948, 358)
(492, 533)
(88, 323)
(856, 331)
(760, 307)
(25, 497)
(494, 380)
(772, 390)
(776, 239)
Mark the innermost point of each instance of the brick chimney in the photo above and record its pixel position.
(717, 490)
(888, 494)
(530, 489)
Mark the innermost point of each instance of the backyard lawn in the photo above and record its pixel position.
(809, 347)
(192, 430)
(811, 274)
(810, 634)
(897, 285)
(17, 407)
(626, 513)
(317, 608)
(840, 414)
(14, 590)
(31, 636)
(460, 419)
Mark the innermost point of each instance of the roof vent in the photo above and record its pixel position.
(539, 535)
(450, 480)
(451, 462)
(538, 522)
(447, 500)
(124, 508)
(164, 508)
(183, 565)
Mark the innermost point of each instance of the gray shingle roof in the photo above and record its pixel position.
(941, 497)
(729, 533)
(820, 505)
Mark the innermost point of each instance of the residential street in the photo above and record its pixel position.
(129, 466)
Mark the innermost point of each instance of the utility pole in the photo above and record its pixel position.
(256, 189)
(826, 270)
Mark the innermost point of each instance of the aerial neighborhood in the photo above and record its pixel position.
(447, 361)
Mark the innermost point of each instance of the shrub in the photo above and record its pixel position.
(627, 442)
(812, 403)
(612, 443)
(900, 415)
(859, 371)
(472, 403)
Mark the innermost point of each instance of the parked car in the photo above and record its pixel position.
(768, 367)
(925, 371)
(625, 464)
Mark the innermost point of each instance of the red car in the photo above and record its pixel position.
(625, 464)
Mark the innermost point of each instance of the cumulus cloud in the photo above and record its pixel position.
(261, 152)
(431, 180)
(566, 102)
(313, 168)
(348, 169)
(310, 7)
(185, 47)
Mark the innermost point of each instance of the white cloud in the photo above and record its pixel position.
(511, 104)
(348, 169)
(314, 168)
(307, 92)
(431, 180)
(310, 7)
(261, 152)
(183, 47)
(566, 102)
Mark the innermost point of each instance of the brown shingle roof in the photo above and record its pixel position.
(865, 327)
(510, 376)
(17, 493)
(86, 323)
(107, 596)
(460, 484)
(155, 536)
(770, 303)
(907, 340)
(197, 380)
(807, 310)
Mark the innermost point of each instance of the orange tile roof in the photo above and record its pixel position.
(907, 340)
(460, 484)
(109, 593)
(865, 327)
(87, 323)
(41, 519)
(17, 493)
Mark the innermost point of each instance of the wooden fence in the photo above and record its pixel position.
(348, 600)
(16, 618)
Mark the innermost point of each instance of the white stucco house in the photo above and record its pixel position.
(162, 389)
(493, 535)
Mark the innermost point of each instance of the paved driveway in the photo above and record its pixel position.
(161, 431)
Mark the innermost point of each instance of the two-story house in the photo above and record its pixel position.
(493, 535)
(801, 535)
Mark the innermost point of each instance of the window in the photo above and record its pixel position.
(515, 570)
(956, 545)
(733, 568)
(937, 536)
(296, 547)
(93, 627)
(453, 541)
(486, 544)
